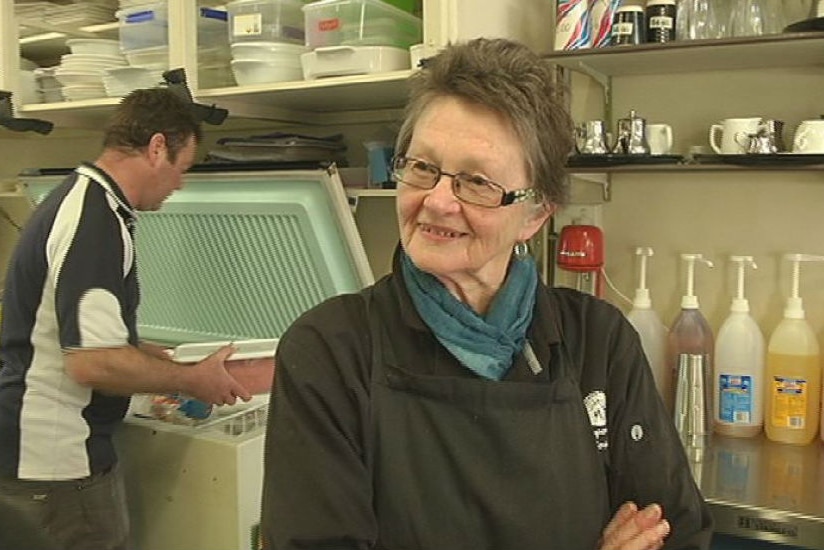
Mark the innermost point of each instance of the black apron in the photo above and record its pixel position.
(473, 464)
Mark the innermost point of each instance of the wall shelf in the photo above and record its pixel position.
(373, 97)
(49, 46)
(779, 50)
(689, 168)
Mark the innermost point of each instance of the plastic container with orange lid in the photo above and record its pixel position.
(360, 23)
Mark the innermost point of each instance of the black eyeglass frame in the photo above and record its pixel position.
(399, 163)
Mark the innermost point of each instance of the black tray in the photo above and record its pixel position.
(598, 161)
(807, 25)
(779, 159)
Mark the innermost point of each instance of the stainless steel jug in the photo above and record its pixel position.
(692, 419)
(591, 138)
(631, 136)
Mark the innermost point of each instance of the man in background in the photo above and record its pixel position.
(70, 351)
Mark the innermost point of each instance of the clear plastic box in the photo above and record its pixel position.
(147, 26)
(266, 20)
(359, 23)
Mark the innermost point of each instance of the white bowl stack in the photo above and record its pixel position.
(262, 62)
(81, 72)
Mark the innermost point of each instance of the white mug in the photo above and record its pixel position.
(809, 137)
(735, 134)
(659, 138)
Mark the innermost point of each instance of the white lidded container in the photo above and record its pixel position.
(262, 62)
(360, 23)
(738, 381)
(147, 26)
(349, 60)
(266, 20)
(275, 52)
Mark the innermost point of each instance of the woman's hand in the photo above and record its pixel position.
(634, 529)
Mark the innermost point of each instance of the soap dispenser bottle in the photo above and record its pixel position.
(652, 331)
(793, 379)
(691, 341)
(738, 389)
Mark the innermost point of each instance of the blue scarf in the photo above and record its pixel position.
(485, 345)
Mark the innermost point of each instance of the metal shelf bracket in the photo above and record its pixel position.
(598, 178)
(604, 80)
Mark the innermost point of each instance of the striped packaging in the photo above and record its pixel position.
(572, 29)
(602, 13)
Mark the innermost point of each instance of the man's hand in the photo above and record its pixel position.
(210, 382)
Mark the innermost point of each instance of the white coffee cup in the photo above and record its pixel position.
(659, 138)
(809, 137)
(735, 134)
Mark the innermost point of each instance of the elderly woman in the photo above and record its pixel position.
(459, 403)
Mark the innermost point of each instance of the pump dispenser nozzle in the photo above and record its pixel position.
(690, 300)
(795, 307)
(642, 299)
(740, 304)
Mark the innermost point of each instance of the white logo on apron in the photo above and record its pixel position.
(596, 405)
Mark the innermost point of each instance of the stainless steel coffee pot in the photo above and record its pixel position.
(591, 138)
(767, 140)
(631, 136)
(775, 130)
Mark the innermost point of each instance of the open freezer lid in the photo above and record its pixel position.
(240, 255)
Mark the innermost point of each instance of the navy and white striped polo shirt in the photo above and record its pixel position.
(71, 283)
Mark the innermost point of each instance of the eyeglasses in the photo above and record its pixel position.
(468, 188)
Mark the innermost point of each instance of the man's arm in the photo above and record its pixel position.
(127, 370)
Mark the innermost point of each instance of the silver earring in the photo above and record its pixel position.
(521, 250)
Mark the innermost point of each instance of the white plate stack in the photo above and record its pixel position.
(81, 72)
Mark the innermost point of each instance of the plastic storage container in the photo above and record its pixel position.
(352, 60)
(359, 23)
(266, 20)
(147, 26)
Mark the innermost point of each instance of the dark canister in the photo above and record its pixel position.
(661, 20)
(628, 26)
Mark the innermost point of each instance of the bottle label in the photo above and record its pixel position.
(735, 399)
(789, 402)
(661, 22)
(623, 29)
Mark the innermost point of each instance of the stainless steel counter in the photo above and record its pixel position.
(763, 490)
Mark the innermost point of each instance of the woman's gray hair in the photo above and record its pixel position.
(512, 80)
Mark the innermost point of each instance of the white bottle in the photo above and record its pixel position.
(652, 331)
(793, 375)
(738, 387)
